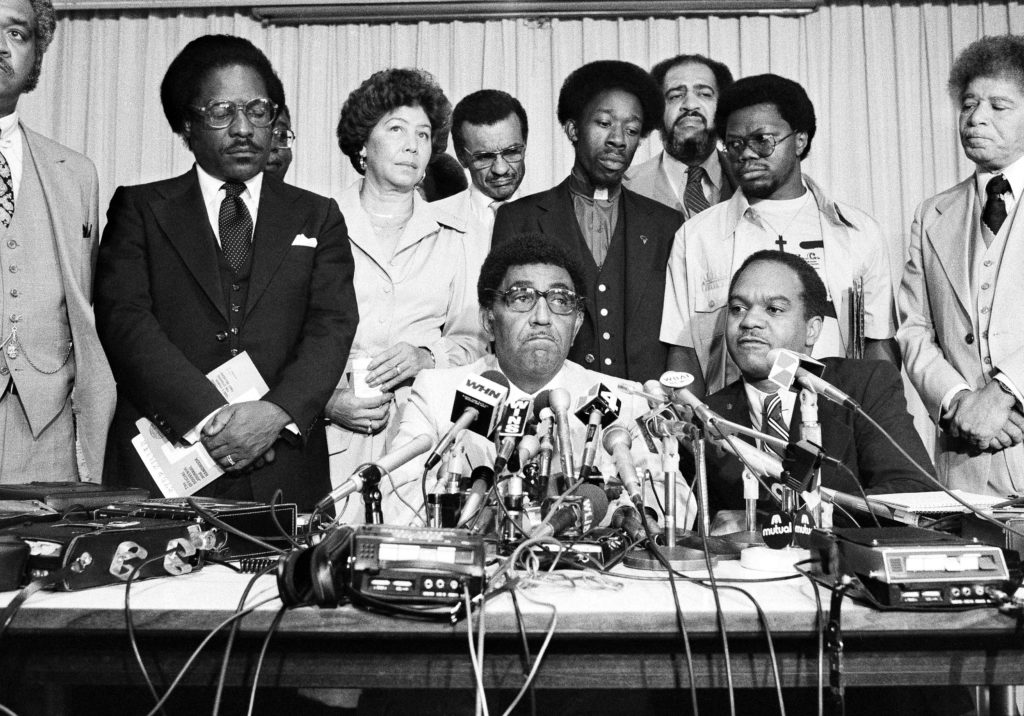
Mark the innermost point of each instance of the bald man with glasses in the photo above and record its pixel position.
(767, 123)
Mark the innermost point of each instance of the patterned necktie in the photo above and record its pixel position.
(693, 196)
(772, 422)
(235, 225)
(994, 213)
(6, 192)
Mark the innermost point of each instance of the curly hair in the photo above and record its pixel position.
(522, 250)
(384, 92)
(486, 107)
(723, 77)
(588, 81)
(814, 294)
(991, 56)
(46, 26)
(197, 60)
(788, 97)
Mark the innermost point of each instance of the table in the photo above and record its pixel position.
(606, 638)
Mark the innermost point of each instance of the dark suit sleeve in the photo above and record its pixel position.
(507, 223)
(151, 371)
(318, 360)
(882, 468)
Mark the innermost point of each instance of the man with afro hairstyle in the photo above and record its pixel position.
(621, 239)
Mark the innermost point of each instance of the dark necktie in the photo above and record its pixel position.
(693, 196)
(772, 422)
(6, 192)
(994, 213)
(235, 225)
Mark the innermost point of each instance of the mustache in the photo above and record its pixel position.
(246, 144)
(6, 68)
(691, 113)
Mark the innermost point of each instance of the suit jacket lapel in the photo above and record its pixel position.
(183, 219)
(58, 204)
(271, 240)
(950, 236)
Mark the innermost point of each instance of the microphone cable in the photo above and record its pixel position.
(263, 652)
(232, 634)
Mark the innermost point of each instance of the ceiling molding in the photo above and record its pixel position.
(299, 12)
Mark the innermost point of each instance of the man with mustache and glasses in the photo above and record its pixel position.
(489, 133)
(56, 391)
(691, 173)
(767, 123)
(961, 296)
(221, 261)
(620, 239)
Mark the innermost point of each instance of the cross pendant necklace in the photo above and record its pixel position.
(781, 242)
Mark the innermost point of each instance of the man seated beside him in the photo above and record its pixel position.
(530, 339)
(776, 300)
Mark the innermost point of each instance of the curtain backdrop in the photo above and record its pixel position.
(876, 73)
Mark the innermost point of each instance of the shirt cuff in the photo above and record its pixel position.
(193, 435)
(948, 397)
(1005, 380)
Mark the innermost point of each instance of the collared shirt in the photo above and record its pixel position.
(11, 146)
(1013, 173)
(213, 196)
(708, 249)
(711, 182)
(597, 212)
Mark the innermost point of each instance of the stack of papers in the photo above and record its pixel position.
(922, 503)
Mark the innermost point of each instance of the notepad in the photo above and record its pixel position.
(933, 502)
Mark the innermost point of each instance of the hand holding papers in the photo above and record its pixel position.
(182, 470)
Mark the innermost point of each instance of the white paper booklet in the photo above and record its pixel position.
(937, 501)
(182, 470)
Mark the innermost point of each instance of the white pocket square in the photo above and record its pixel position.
(303, 240)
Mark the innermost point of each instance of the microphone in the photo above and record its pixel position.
(511, 428)
(859, 504)
(682, 398)
(475, 407)
(483, 480)
(559, 402)
(545, 450)
(655, 393)
(627, 519)
(528, 448)
(617, 441)
(789, 366)
(598, 408)
(577, 515)
(758, 461)
(374, 471)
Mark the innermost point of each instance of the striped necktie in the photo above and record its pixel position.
(772, 422)
(6, 192)
(235, 225)
(693, 196)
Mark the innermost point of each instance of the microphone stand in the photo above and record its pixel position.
(372, 499)
(678, 552)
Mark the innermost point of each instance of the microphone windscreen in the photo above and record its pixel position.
(598, 500)
(482, 472)
(542, 401)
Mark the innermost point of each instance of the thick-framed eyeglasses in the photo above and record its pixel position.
(484, 160)
(522, 299)
(762, 144)
(261, 112)
(282, 139)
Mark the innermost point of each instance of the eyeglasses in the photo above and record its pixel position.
(282, 139)
(261, 112)
(522, 299)
(484, 160)
(762, 144)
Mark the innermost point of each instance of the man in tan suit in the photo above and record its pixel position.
(961, 295)
(56, 390)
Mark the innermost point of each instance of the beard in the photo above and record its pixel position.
(691, 149)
